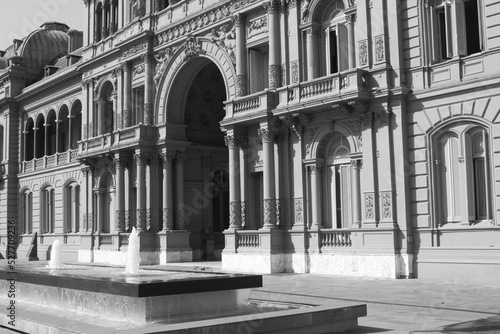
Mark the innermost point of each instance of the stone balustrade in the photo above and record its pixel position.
(49, 161)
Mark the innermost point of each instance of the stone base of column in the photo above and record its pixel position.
(174, 247)
(234, 215)
(269, 214)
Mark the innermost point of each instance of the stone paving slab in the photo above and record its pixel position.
(400, 306)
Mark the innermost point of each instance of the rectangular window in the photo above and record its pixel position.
(259, 69)
(137, 105)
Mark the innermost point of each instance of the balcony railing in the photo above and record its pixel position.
(49, 161)
(335, 87)
(335, 238)
(260, 102)
(120, 137)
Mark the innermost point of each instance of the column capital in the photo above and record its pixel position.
(235, 141)
(239, 20)
(167, 157)
(141, 159)
(350, 18)
(266, 134)
(120, 162)
(272, 6)
(86, 171)
(180, 158)
(357, 163)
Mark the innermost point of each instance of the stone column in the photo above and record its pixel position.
(35, 151)
(267, 136)
(112, 18)
(58, 121)
(243, 179)
(350, 40)
(312, 66)
(179, 210)
(148, 88)
(149, 188)
(84, 199)
(315, 171)
(98, 209)
(356, 195)
(141, 161)
(274, 44)
(127, 83)
(232, 142)
(241, 55)
(46, 143)
(120, 163)
(168, 209)
(285, 178)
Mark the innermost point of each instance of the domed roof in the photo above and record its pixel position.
(42, 46)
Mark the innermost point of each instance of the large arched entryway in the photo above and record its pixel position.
(197, 103)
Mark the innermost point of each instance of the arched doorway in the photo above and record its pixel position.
(197, 102)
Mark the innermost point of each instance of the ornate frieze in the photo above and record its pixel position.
(135, 49)
(257, 25)
(195, 24)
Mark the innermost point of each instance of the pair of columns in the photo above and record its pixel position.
(148, 91)
(235, 143)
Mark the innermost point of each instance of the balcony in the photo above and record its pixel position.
(333, 88)
(346, 86)
(118, 139)
(49, 161)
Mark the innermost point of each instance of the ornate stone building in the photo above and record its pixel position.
(350, 137)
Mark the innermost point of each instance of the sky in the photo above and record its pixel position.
(19, 17)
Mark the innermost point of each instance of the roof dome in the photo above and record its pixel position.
(44, 45)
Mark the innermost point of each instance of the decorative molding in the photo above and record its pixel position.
(234, 214)
(148, 219)
(257, 25)
(139, 71)
(226, 38)
(379, 42)
(294, 69)
(168, 218)
(135, 49)
(243, 214)
(266, 134)
(369, 206)
(272, 6)
(304, 9)
(190, 26)
(274, 76)
(192, 48)
(363, 52)
(127, 220)
(283, 74)
(269, 212)
(148, 113)
(382, 119)
(162, 59)
(167, 157)
(180, 158)
(299, 216)
(342, 108)
(140, 215)
(119, 219)
(241, 85)
(386, 197)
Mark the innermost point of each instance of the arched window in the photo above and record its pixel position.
(27, 212)
(98, 23)
(456, 28)
(76, 125)
(63, 137)
(29, 140)
(40, 137)
(72, 208)
(334, 56)
(47, 212)
(339, 183)
(2, 141)
(105, 109)
(462, 175)
(51, 128)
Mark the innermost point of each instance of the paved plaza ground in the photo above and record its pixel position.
(396, 306)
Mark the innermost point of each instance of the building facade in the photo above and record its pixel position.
(350, 137)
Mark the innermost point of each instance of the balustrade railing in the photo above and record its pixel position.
(335, 239)
(49, 161)
(248, 240)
